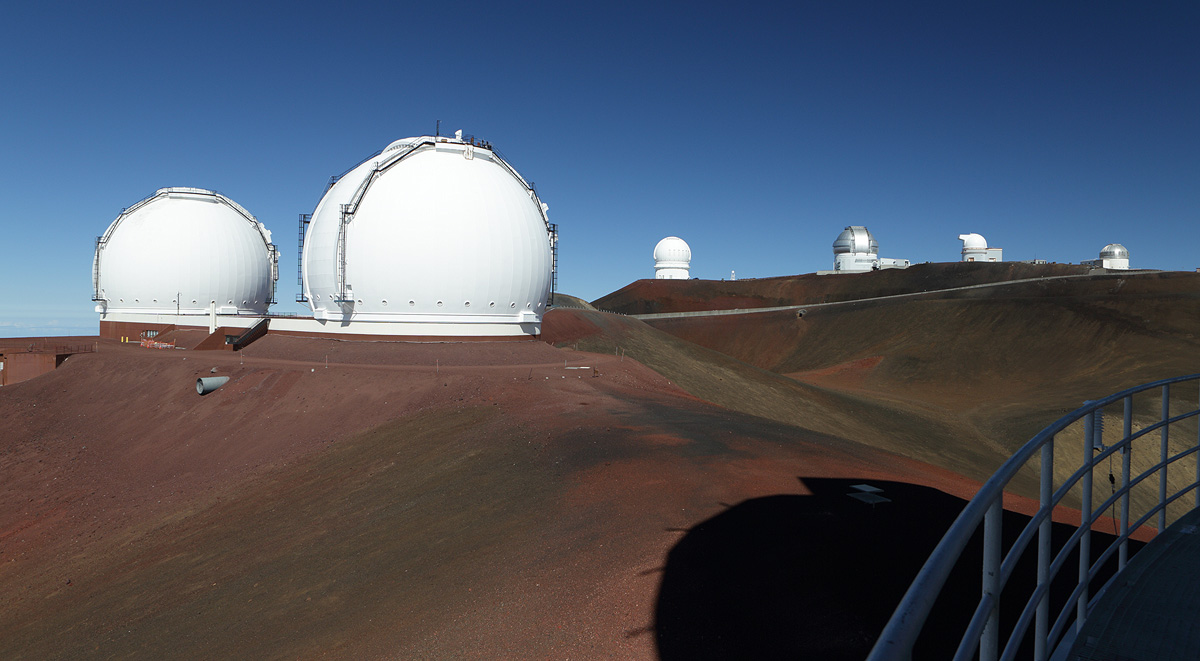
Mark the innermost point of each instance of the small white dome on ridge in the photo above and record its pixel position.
(973, 241)
(672, 259)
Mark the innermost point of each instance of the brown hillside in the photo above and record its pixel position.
(654, 296)
(1033, 348)
(601, 499)
(475, 500)
(930, 434)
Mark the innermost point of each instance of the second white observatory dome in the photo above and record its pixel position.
(186, 251)
(433, 236)
(672, 259)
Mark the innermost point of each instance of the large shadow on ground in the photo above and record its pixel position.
(816, 577)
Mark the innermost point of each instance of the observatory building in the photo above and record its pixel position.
(1113, 256)
(433, 237)
(183, 257)
(672, 259)
(857, 251)
(975, 249)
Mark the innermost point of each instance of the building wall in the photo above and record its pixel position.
(983, 254)
(118, 330)
(19, 367)
(855, 262)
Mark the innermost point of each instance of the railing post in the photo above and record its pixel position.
(1197, 458)
(1162, 477)
(989, 641)
(1085, 521)
(1126, 456)
(1046, 493)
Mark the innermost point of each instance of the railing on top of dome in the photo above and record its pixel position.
(983, 633)
(483, 144)
(338, 177)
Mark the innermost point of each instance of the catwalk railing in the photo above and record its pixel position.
(983, 634)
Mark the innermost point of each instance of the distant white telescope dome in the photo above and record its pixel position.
(185, 251)
(434, 231)
(973, 241)
(672, 259)
(975, 249)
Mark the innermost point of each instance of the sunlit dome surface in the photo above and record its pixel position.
(1114, 251)
(672, 259)
(186, 251)
(672, 251)
(973, 241)
(433, 229)
(855, 239)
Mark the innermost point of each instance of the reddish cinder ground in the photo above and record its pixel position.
(398, 501)
(638, 492)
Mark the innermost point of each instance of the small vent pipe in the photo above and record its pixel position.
(208, 384)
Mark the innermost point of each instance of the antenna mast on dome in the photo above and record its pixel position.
(437, 131)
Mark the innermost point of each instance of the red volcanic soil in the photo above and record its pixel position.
(381, 500)
(638, 490)
(653, 296)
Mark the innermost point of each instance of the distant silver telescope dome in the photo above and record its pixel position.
(1114, 251)
(855, 239)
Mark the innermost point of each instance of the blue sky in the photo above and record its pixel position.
(755, 132)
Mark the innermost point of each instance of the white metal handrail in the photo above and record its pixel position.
(982, 634)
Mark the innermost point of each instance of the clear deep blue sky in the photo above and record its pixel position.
(755, 132)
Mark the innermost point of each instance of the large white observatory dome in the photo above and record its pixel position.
(185, 251)
(435, 236)
(672, 259)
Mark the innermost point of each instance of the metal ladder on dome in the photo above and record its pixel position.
(553, 262)
(305, 219)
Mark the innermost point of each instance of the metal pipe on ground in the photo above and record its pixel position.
(205, 385)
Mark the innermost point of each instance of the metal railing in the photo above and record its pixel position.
(983, 633)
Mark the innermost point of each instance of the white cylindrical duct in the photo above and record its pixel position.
(207, 384)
